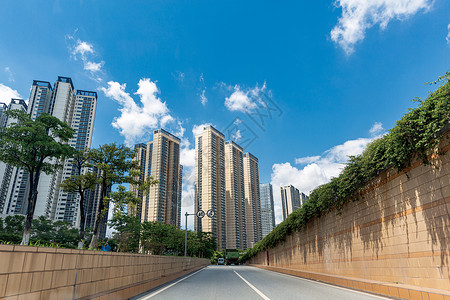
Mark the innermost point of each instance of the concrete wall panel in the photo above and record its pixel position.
(49, 273)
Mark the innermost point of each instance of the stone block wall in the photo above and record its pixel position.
(50, 273)
(398, 232)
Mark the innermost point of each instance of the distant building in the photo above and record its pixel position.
(252, 199)
(291, 199)
(210, 183)
(227, 182)
(267, 209)
(160, 159)
(235, 200)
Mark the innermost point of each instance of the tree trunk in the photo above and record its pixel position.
(82, 221)
(101, 206)
(32, 196)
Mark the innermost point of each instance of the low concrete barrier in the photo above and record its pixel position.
(50, 273)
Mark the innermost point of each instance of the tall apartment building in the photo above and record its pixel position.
(291, 199)
(81, 115)
(267, 209)
(210, 183)
(252, 199)
(13, 188)
(160, 159)
(235, 205)
(77, 109)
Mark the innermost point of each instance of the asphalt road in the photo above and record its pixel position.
(243, 282)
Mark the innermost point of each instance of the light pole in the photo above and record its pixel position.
(200, 214)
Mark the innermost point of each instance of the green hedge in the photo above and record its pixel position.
(414, 136)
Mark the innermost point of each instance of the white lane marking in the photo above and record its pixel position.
(169, 286)
(251, 285)
(331, 285)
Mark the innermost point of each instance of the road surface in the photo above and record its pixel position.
(243, 282)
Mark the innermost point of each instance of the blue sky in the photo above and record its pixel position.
(333, 74)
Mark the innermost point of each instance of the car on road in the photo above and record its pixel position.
(221, 261)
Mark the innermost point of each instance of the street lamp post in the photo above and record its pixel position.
(200, 214)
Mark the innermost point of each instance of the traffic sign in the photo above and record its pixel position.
(200, 214)
(210, 213)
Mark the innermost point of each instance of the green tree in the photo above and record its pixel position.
(37, 146)
(127, 235)
(66, 235)
(115, 166)
(43, 230)
(124, 219)
(80, 183)
(161, 238)
(12, 229)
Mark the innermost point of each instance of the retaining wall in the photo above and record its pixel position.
(398, 234)
(49, 273)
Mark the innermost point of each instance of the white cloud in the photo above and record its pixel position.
(187, 156)
(239, 101)
(307, 160)
(203, 98)
(317, 171)
(376, 129)
(93, 67)
(6, 93)
(10, 74)
(448, 35)
(136, 120)
(360, 15)
(85, 50)
(82, 48)
(243, 100)
(236, 136)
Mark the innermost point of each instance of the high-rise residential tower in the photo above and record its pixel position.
(267, 209)
(65, 205)
(291, 199)
(160, 159)
(252, 199)
(235, 197)
(210, 183)
(77, 109)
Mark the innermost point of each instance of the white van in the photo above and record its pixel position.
(221, 261)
